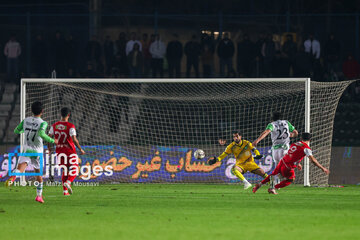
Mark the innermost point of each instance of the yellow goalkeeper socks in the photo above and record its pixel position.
(238, 174)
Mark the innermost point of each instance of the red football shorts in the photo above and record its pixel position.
(286, 172)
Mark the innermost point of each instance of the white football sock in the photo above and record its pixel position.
(16, 171)
(276, 180)
(39, 189)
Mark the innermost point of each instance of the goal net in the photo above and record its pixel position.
(147, 130)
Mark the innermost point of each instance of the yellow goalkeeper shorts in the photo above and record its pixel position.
(248, 166)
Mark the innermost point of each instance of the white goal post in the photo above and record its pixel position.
(263, 95)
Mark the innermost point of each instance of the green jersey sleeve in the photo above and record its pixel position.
(291, 127)
(20, 128)
(270, 127)
(42, 133)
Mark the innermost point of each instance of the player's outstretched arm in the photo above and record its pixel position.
(313, 159)
(50, 134)
(76, 142)
(262, 136)
(44, 136)
(19, 129)
(213, 160)
(294, 133)
(48, 139)
(257, 153)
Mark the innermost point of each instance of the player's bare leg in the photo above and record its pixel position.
(260, 172)
(39, 187)
(20, 169)
(238, 171)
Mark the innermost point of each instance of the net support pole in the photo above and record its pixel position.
(307, 128)
(22, 117)
(22, 109)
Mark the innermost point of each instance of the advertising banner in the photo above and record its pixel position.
(156, 164)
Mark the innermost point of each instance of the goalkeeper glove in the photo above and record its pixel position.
(212, 160)
(258, 156)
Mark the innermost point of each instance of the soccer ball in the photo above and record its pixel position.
(199, 154)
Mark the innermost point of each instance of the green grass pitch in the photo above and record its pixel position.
(180, 211)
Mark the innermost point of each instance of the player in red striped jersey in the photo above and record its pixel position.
(65, 133)
(291, 161)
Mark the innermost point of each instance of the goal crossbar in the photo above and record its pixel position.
(160, 80)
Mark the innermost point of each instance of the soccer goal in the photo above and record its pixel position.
(147, 129)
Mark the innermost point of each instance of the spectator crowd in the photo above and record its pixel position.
(152, 56)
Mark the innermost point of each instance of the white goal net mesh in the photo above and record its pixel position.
(148, 131)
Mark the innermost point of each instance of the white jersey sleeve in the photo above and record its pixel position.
(72, 132)
(308, 152)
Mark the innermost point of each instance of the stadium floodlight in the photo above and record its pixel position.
(138, 114)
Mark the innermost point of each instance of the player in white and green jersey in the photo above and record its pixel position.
(34, 129)
(281, 131)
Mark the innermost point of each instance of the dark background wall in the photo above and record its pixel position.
(345, 165)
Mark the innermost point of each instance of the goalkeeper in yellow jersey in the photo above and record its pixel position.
(244, 160)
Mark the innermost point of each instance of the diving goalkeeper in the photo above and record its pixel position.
(244, 160)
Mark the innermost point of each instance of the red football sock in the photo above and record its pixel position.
(71, 178)
(63, 179)
(283, 184)
(72, 175)
(267, 179)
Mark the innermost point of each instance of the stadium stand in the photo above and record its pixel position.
(9, 113)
